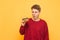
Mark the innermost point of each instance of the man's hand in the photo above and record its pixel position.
(24, 20)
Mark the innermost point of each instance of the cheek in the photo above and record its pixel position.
(36, 14)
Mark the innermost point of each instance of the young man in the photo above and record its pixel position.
(34, 28)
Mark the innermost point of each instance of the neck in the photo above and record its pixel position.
(35, 19)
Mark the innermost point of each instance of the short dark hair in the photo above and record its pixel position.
(36, 7)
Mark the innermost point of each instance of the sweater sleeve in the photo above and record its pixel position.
(22, 29)
(46, 34)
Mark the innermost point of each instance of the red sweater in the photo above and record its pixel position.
(35, 30)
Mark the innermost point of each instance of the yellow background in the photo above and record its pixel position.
(12, 11)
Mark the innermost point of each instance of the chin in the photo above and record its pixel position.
(34, 17)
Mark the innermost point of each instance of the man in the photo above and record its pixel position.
(34, 28)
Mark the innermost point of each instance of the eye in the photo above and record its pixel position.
(32, 11)
(35, 11)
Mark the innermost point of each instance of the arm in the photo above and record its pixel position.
(23, 28)
(46, 34)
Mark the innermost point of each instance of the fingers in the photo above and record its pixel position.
(24, 20)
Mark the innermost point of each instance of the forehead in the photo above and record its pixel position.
(34, 10)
